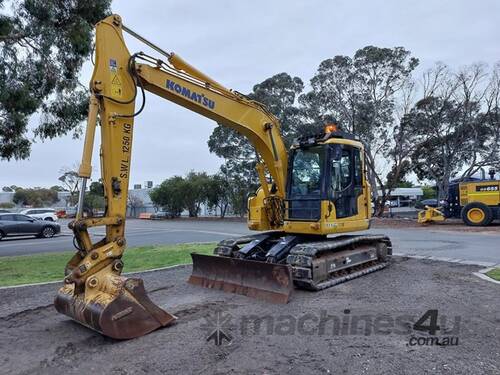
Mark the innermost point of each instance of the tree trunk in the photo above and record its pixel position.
(372, 178)
(223, 208)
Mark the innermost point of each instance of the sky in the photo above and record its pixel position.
(241, 43)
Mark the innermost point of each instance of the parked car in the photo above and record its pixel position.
(48, 214)
(22, 225)
(70, 212)
(160, 215)
(427, 202)
(61, 214)
(2, 211)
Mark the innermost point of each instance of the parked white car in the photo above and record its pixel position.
(48, 214)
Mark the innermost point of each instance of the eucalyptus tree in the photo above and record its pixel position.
(43, 45)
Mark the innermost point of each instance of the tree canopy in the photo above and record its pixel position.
(445, 125)
(36, 197)
(357, 92)
(218, 192)
(455, 127)
(279, 93)
(169, 195)
(43, 45)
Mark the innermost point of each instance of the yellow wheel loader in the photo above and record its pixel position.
(475, 201)
(316, 189)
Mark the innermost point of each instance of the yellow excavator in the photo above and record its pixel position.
(316, 189)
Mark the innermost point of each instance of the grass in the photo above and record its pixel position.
(26, 269)
(494, 274)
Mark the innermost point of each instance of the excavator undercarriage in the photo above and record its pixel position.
(268, 265)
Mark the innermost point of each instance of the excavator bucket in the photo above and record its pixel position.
(266, 281)
(122, 310)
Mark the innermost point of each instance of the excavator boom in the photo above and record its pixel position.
(94, 293)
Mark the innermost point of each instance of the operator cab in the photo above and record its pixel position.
(328, 168)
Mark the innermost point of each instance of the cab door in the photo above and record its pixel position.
(346, 180)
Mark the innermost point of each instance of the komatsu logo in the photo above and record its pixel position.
(191, 95)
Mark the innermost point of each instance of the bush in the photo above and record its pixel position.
(36, 197)
(170, 196)
(429, 192)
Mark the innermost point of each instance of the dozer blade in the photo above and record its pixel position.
(261, 280)
(430, 214)
(124, 312)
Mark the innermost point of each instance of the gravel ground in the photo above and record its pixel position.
(36, 340)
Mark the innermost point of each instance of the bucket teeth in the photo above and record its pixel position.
(126, 314)
(261, 280)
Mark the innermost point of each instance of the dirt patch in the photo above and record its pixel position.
(448, 225)
(36, 340)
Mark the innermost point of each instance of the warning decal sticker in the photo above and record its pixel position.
(116, 85)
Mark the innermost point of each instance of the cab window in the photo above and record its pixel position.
(340, 174)
(306, 172)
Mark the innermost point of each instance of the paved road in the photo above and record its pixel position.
(474, 247)
(445, 245)
(138, 232)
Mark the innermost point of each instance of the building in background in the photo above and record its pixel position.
(404, 197)
(139, 201)
(6, 196)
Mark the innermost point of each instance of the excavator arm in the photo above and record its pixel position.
(94, 292)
